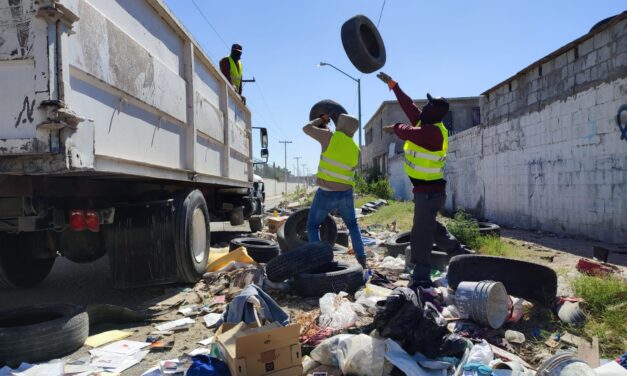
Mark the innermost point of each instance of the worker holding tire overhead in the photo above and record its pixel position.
(336, 178)
(426, 143)
(231, 67)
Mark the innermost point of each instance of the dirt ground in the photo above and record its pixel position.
(91, 284)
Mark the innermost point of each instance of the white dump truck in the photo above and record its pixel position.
(118, 136)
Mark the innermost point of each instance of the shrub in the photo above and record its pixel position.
(381, 189)
(465, 229)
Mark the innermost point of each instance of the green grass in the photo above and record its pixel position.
(400, 211)
(606, 308)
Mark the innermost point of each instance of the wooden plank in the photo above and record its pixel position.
(589, 352)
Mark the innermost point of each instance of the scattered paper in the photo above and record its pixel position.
(51, 368)
(176, 324)
(200, 351)
(220, 299)
(106, 337)
(124, 347)
(206, 342)
(212, 319)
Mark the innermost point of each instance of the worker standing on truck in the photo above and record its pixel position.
(336, 178)
(231, 67)
(426, 143)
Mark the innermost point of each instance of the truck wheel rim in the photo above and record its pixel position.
(199, 235)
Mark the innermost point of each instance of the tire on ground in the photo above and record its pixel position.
(327, 107)
(521, 278)
(256, 223)
(191, 241)
(280, 237)
(41, 332)
(397, 244)
(300, 260)
(439, 259)
(487, 228)
(260, 250)
(18, 268)
(363, 44)
(333, 277)
(342, 238)
(295, 229)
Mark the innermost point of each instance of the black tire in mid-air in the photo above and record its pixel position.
(363, 44)
(327, 107)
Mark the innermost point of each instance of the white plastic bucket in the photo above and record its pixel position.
(565, 364)
(485, 302)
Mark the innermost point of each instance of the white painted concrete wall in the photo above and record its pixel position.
(400, 183)
(276, 188)
(561, 169)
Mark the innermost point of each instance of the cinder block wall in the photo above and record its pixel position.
(549, 155)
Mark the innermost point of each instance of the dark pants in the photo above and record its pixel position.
(426, 231)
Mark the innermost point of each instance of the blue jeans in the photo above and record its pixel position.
(326, 201)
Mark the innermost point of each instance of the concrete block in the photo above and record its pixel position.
(561, 60)
(604, 93)
(603, 53)
(601, 39)
(589, 60)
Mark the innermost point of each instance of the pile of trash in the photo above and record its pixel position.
(363, 322)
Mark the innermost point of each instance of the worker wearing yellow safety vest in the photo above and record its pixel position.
(426, 143)
(231, 68)
(336, 178)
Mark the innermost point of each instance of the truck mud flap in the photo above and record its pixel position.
(141, 245)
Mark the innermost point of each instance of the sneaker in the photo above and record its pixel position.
(363, 262)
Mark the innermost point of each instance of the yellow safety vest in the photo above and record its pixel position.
(339, 161)
(423, 164)
(236, 72)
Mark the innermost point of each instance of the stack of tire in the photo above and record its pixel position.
(311, 265)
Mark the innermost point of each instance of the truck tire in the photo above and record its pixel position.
(260, 250)
(363, 44)
(396, 245)
(333, 277)
(256, 223)
(192, 237)
(41, 332)
(300, 260)
(521, 278)
(18, 267)
(491, 229)
(296, 229)
(327, 107)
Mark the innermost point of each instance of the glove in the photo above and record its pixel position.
(387, 79)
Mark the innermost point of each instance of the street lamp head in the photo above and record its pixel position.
(322, 64)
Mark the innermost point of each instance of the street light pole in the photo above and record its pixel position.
(358, 80)
(285, 143)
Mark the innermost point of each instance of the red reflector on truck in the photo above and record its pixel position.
(77, 220)
(92, 220)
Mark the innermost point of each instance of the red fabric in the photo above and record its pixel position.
(593, 268)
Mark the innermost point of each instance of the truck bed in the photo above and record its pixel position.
(115, 87)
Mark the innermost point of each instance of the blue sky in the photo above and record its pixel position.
(449, 48)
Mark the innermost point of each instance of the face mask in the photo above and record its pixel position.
(236, 55)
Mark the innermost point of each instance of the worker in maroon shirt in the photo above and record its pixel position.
(231, 67)
(426, 143)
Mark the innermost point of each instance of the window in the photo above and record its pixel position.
(369, 136)
(476, 116)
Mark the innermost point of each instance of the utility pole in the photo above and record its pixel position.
(297, 169)
(285, 143)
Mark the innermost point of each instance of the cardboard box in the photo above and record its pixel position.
(268, 350)
(274, 223)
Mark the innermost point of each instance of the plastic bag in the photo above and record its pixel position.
(368, 297)
(394, 263)
(481, 353)
(336, 312)
(354, 355)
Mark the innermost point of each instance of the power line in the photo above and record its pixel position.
(209, 23)
(381, 13)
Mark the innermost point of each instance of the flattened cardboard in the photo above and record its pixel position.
(269, 350)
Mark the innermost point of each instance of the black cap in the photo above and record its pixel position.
(236, 47)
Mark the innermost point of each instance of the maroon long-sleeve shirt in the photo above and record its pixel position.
(427, 136)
